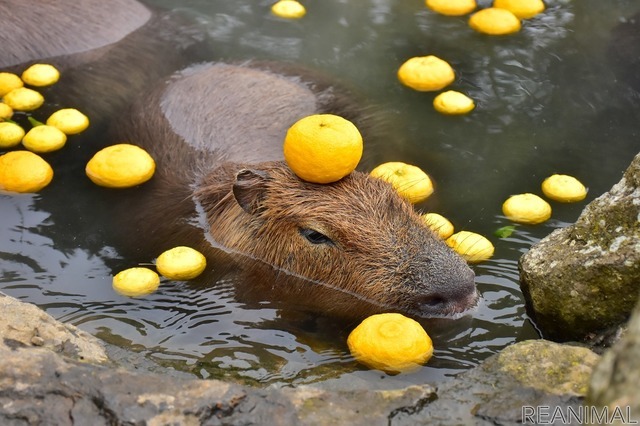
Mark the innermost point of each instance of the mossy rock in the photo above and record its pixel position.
(585, 278)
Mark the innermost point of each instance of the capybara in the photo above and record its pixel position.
(216, 133)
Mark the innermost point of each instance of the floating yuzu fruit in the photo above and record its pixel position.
(40, 75)
(120, 166)
(24, 171)
(426, 73)
(6, 112)
(44, 138)
(11, 134)
(564, 188)
(181, 263)
(438, 224)
(494, 21)
(523, 9)
(410, 181)
(452, 7)
(526, 208)
(390, 342)
(288, 9)
(69, 120)
(322, 148)
(23, 99)
(9, 82)
(471, 246)
(453, 103)
(134, 282)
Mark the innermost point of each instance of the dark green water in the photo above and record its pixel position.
(549, 100)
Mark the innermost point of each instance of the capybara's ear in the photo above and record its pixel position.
(249, 188)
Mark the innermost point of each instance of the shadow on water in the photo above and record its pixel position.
(553, 98)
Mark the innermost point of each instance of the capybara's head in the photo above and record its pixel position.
(357, 235)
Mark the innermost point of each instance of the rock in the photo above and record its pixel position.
(41, 382)
(38, 386)
(614, 382)
(52, 373)
(526, 375)
(25, 325)
(318, 407)
(585, 278)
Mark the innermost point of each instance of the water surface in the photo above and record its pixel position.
(549, 100)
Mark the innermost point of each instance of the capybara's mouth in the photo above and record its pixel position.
(458, 309)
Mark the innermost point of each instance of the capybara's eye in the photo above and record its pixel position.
(315, 237)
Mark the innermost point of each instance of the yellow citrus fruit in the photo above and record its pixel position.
(181, 263)
(6, 112)
(23, 99)
(526, 208)
(495, 21)
(410, 181)
(40, 75)
(120, 166)
(24, 171)
(426, 73)
(564, 188)
(9, 82)
(452, 7)
(69, 120)
(453, 103)
(322, 148)
(44, 138)
(134, 282)
(471, 246)
(438, 224)
(390, 342)
(523, 9)
(10, 134)
(289, 9)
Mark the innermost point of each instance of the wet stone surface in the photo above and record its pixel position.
(42, 384)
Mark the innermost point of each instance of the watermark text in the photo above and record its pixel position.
(582, 415)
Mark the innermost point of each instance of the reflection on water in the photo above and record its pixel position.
(548, 101)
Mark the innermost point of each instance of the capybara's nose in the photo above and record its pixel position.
(453, 298)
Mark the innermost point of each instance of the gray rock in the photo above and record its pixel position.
(24, 325)
(585, 278)
(42, 383)
(614, 382)
(533, 373)
(38, 386)
(55, 374)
